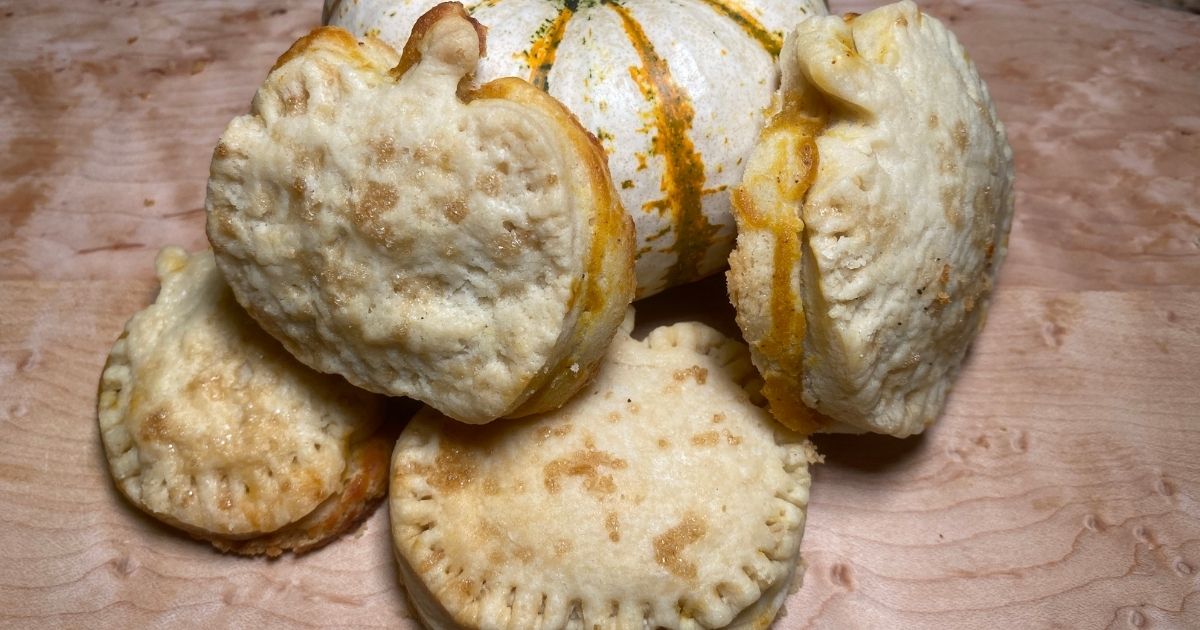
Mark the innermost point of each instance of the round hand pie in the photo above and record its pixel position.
(209, 425)
(464, 248)
(661, 496)
(873, 216)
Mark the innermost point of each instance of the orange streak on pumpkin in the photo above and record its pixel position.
(542, 50)
(771, 42)
(683, 173)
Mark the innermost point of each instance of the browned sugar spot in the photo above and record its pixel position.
(950, 205)
(430, 561)
(545, 433)
(524, 554)
(489, 530)
(383, 151)
(296, 103)
(613, 525)
(378, 198)
(670, 545)
(614, 417)
(696, 372)
(945, 276)
(663, 443)
(298, 195)
(511, 241)
(310, 159)
(586, 464)
(561, 546)
(154, 427)
(933, 121)
(718, 418)
(489, 183)
(211, 387)
(465, 586)
(490, 487)
(343, 282)
(960, 136)
(731, 439)
(708, 438)
(947, 161)
(423, 155)
(453, 468)
(375, 199)
(455, 211)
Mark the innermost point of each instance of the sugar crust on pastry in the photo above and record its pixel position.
(873, 217)
(211, 426)
(462, 247)
(661, 496)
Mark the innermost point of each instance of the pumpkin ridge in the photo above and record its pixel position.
(683, 173)
(770, 41)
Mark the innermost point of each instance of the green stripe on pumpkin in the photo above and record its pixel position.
(544, 47)
(770, 41)
(683, 176)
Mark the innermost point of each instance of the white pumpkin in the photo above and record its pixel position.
(674, 89)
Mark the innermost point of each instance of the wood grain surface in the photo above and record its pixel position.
(1060, 489)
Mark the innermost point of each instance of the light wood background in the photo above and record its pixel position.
(1060, 489)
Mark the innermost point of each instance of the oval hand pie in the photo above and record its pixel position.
(211, 426)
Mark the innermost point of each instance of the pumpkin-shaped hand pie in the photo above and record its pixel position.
(676, 91)
(464, 248)
(872, 219)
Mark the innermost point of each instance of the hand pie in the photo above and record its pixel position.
(212, 427)
(464, 248)
(661, 496)
(872, 218)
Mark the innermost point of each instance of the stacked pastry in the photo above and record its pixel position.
(383, 227)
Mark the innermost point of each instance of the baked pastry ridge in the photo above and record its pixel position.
(873, 217)
(661, 496)
(209, 425)
(387, 223)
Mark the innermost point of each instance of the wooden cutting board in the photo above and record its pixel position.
(1060, 489)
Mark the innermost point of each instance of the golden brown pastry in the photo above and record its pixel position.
(661, 496)
(209, 425)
